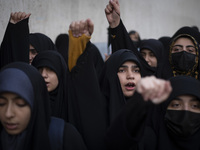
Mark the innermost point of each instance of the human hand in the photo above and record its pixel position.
(153, 89)
(79, 28)
(18, 16)
(112, 12)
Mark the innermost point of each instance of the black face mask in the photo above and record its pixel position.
(182, 123)
(183, 61)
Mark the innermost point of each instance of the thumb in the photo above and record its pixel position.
(90, 26)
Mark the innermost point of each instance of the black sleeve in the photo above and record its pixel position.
(15, 44)
(72, 140)
(127, 130)
(120, 39)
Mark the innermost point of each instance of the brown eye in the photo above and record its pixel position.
(121, 70)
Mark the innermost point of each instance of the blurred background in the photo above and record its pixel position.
(151, 18)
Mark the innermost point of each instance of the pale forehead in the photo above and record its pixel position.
(9, 95)
(145, 51)
(183, 41)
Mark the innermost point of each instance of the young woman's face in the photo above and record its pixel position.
(15, 113)
(149, 57)
(185, 102)
(32, 53)
(129, 75)
(50, 78)
(184, 44)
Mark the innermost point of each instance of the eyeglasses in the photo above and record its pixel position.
(179, 48)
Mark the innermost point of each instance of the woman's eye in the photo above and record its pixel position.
(176, 50)
(21, 103)
(191, 50)
(137, 70)
(2, 102)
(175, 105)
(196, 105)
(121, 70)
(152, 54)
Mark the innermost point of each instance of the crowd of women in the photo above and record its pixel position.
(145, 96)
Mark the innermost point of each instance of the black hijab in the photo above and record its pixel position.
(59, 97)
(41, 42)
(157, 48)
(26, 81)
(62, 44)
(109, 81)
(182, 85)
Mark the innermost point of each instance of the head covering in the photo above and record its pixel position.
(41, 42)
(165, 41)
(157, 48)
(193, 35)
(182, 85)
(62, 44)
(26, 81)
(59, 97)
(109, 81)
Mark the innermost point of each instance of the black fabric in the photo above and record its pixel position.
(109, 81)
(62, 45)
(87, 105)
(36, 137)
(12, 47)
(141, 125)
(129, 129)
(120, 39)
(158, 49)
(72, 139)
(58, 97)
(41, 42)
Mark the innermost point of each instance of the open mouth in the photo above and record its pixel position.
(130, 86)
(47, 83)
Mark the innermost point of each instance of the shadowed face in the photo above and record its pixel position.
(15, 113)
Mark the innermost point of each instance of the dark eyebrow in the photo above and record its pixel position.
(176, 98)
(190, 46)
(178, 45)
(133, 66)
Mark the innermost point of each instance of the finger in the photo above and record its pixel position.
(90, 25)
(72, 28)
(23, 15)
(76, 28)
(11, 15)
(107, 11)
(19, 14)
(15, 16)
(115, 6)
(82, 27)
(110, 7)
